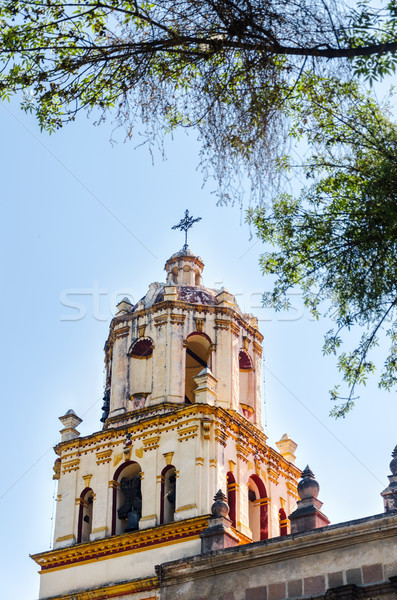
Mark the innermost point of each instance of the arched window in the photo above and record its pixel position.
(127, 498)
(257, 508)
(197, 357)
(283, 522)
(168, 494)
(141, 348)
(84, 527)
(231, 497)
(246, 383)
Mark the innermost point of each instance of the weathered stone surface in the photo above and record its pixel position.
(257, 593)
(295, 588)
(372, 573)
(276, 591)
(314, 585)
(354, 576)
(335, 579)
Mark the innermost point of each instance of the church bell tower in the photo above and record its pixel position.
(181, 420)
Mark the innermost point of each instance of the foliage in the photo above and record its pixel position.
(225, 67)
(338, 239)
(245, 74)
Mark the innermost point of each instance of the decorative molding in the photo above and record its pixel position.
(151, 443)
(213, 462)
(169, 416)
(246, 342)
(206, 425)
(235, 329)
(222, 324)
(187, 433)
(273, 474)
(262, 502)
(141, 330)
(199, 324)
(292, 489)
(160, 320)
(221, 436)
(177, 319)
(168, 457)
(71, 465)
(257, 348)
(103, 457)
(87, 480)
(117, 545)
(122, 332)
(65, 538)
(115, 591)
(113, 484)
(98, 529)
(200, 461)
(242, 452)
(186, 507)
(232, 466)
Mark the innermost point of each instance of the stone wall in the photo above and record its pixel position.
(357, 559)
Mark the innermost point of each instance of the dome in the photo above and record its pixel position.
(184, 272)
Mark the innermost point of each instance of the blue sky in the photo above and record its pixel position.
(80, 215)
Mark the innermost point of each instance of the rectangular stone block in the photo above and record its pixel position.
(372, 573)
(228, 596)
(314, 585)
(295, 588)
(335, 579)
(256, 593)
(276, 591)
(354, 576)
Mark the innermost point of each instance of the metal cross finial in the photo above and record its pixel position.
(185, 224)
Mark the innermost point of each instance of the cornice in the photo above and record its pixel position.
(276, 550)
(170, 305)
(154, 420)
(114, 591)
(120, 545)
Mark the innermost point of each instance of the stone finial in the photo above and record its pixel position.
(218, 534)
(69, 421)
(220, 508)
(308, 487)
(124, 306)
(390, 493)
(286, 446)
(307, 514)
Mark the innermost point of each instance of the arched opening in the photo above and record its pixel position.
(231, 497)
(197, 356)
(283, 522)
(197, 278)
(246, 383)
(127, 498)
(141, 348)
(168, 494)
(84, 527)
(140, 371)
(257, 509)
